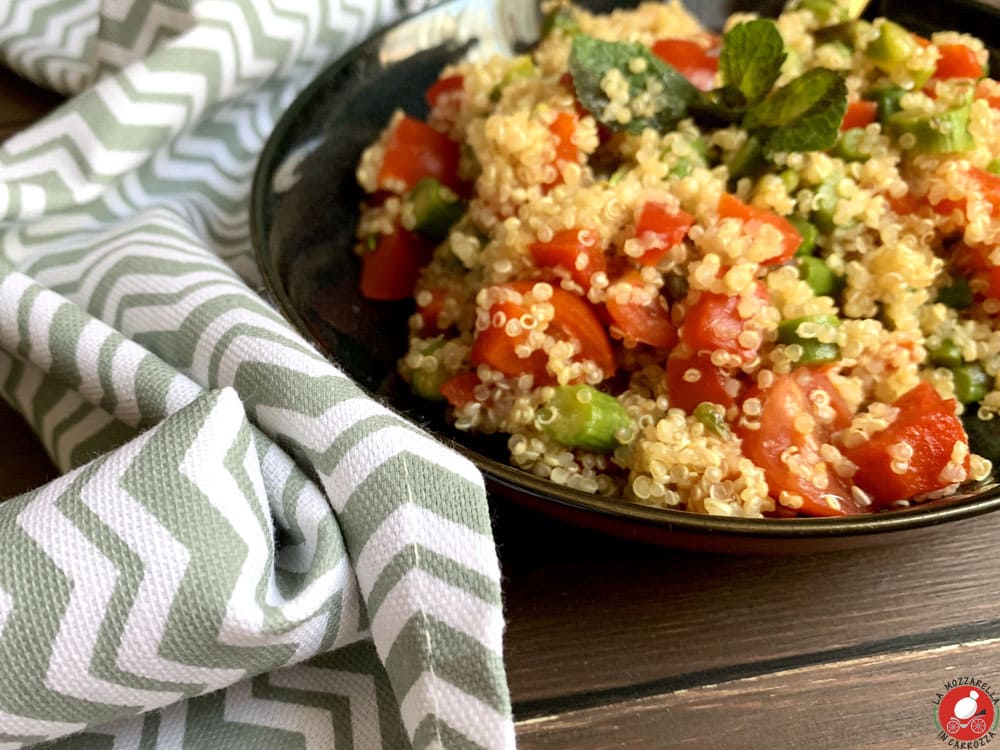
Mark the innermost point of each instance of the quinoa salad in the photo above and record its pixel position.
(752, 273)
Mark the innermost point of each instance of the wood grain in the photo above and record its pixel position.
(880, 702)
(587, 614)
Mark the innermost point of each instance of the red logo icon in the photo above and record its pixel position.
(966, 713)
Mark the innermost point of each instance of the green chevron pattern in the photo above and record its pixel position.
(245, 551)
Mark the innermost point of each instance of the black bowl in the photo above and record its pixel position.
(303, 216)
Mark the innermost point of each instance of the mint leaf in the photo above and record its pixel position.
(804, 115)
(664, 94)
(751, 58)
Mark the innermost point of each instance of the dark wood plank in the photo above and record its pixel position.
(879, 702)
(587, 614)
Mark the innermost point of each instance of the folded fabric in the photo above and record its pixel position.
(246, 551)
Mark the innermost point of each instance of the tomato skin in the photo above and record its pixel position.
(714, 322)
(984, 182)
(563, 250)
(781, 403)
(647, 324)
(390, 271)
(731, 207)
(415, 150)
(711, 386)
(573, 318)
(859, 114)
(430, 312)
(957, 61)
(692, 60)
(988, 90)
(564, 128)
(928, 424)
(974, 262)
(460, 389)
(656, 223)
(446, 86)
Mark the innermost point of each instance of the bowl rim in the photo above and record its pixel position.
(984, 500)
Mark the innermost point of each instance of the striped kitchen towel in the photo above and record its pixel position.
(244, 551)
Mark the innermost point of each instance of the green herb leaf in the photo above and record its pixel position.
(668, 91)
(751, 58)
(804, 115)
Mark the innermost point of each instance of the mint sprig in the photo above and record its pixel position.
(591, 59)
(804, 115)
(751, 58)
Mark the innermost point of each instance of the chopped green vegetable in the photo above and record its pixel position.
(748, 160)
(682, 168)
(807, 232)
(676, 286)
(712, 418)
(517, 69)
(561, 19)
(850, 145)
(831, 11)
(891, 51)
(427, 383)
(887, 98)
(942, 133)
(946, 354)
(591, 59)
(803, 115)
(826, 204)
(435, 208)
(580, 416)
(619, 174)
(971, 383)
(984, 437)
(751, 58)
(790, 179)
(957, 295)
(803, 332)
(993, 167)
(820, 278)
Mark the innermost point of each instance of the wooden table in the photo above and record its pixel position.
(612, 645)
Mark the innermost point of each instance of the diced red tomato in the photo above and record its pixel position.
(957, 61)
(713, 322)
(416, 150)
(927, 423)
(447, 86)
(989, 90)
(713, 384)
(573, 318)
(564, 128)
(575, 250)
(731, 207)
(859, 114)
(980, 180)
(666, 228)
(432, 310)
(647, 324)
(790, 457)
(974, 262)
(904, 205)
(692, 60)
(460, 389)
(390, 271)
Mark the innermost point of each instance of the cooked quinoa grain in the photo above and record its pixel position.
(687, 305)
